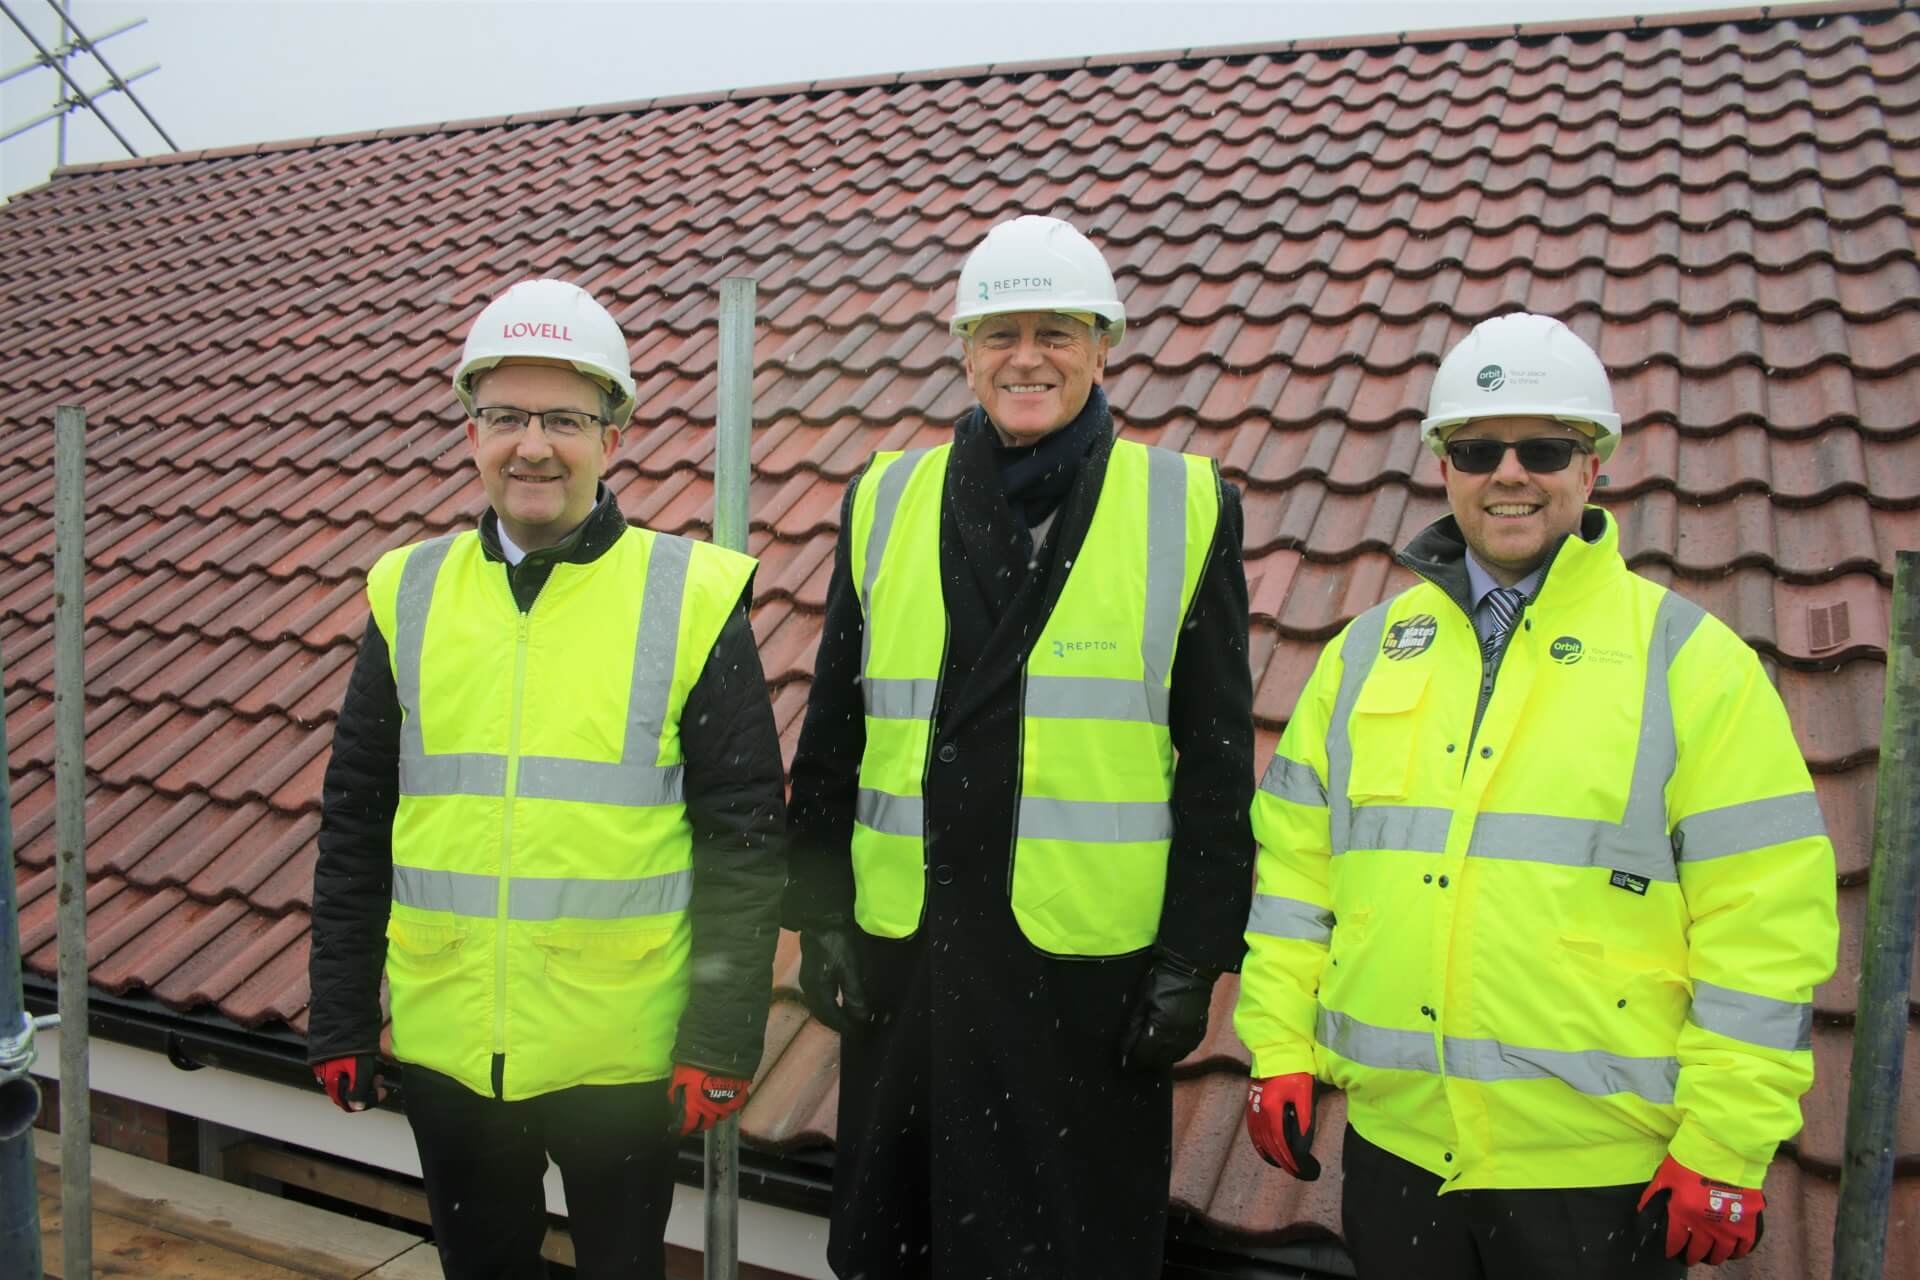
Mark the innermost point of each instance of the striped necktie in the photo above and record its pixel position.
(1503, 606)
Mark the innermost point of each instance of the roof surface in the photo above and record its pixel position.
(1724, 206)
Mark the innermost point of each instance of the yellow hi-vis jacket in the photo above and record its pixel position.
(1095, 819)
(1544, 950)
(542, 858)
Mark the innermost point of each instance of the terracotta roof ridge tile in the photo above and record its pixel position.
(1640, 25)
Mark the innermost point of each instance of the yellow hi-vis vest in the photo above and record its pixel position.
(1545, 952)
(1095, 820)
(542, 859)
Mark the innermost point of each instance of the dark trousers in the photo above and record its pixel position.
(1398, 1226)
(484, 1160)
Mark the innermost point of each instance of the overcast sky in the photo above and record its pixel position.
(266, 69)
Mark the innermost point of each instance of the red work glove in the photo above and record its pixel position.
(1275, 1106)
(353, 1082)
(704, 1099)
(1708, 1221)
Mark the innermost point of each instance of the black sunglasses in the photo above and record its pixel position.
(1541, 454)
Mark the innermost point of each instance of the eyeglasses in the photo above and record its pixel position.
(505, 420)
(1542, 454)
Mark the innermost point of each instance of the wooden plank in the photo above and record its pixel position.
(422, 1262)
(125, 1248)
(275, 1232)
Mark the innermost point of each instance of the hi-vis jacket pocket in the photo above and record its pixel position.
(599, 957)
(1383, 729)
(421, 947)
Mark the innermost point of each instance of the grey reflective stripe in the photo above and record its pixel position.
(890, 814)
(1291, 780)
(1278, 917)
(464, 894)
(534, 898)
(1382, 1048)
(453, 774)
(1399, 826)
(1096, 698)
(596, 782)
(1761, 1020)
(886, 502)
(1742, 828)
(638, 780)
(902, 699)
(1095, 821)
(1166, 562)
(1357, 653)
(411, 602)
(1591, 1071)
(457, 892)
(1640, 842)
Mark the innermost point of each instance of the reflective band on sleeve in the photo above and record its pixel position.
(1591, 1071)
(899, 699)
(1742, 828)
(1096, 698)
(1761, 1020)
(1415, 828)
(455, 774)
(537, 898)
(1166, 562)
(1379, 1047)
(1291, 780)
(595, 782)
(1094, 821)
(890, 814)
(458, 892)
(1278, 917)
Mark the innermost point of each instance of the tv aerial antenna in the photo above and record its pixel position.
(72, 97)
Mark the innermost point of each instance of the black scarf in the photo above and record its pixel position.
(1037, 477)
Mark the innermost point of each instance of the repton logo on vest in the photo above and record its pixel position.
(1409, 637)
(1067, 648)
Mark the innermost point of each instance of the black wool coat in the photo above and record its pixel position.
(986, 1128)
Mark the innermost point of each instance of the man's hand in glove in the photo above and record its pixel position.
(1280, 1122)
(703, 1099)
(1169, 1015)
(1707, 1221)
(352, 1082)
(829, 969)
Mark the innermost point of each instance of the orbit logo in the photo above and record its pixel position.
(1492, 378)
(1567, 650)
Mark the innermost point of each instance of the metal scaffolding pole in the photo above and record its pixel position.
(70, 795)
(19, 1095)
(1893, 901)
(80, 95)
(731, 477)
(93, 47)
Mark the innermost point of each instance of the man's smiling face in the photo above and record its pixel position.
(1032, 371)
(1512, 517)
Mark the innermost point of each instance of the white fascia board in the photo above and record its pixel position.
(770, 1236)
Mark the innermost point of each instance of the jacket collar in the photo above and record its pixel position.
(1574, 567)
(587, 543)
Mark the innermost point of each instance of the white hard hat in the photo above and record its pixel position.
(1522, 365)
(552, 320)
(1037, 263)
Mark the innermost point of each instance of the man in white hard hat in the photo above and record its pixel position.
(1542, 882)
(1021, 854)
(553, 816)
